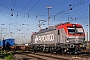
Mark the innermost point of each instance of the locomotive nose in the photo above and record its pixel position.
(77, 36)
(75, 39)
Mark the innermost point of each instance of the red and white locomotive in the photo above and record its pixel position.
(64, 38)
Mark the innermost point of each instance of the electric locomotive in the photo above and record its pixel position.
(63, 38)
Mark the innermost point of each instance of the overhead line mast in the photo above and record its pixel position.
(48, 7)
(89, 22)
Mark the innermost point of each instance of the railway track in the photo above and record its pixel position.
(50, 56)
(65, 56)
(38, 56)
(46, 57)
(20, 55)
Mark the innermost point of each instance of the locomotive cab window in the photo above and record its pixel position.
(76, 30)
(79, 30)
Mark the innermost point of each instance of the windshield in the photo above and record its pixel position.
(73, 30)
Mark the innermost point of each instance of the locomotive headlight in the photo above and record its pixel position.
(67, 40)
(73, 24)
(80, 45)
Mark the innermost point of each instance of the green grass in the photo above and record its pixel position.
(9, 57)
(6, 56)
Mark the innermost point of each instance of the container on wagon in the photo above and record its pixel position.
(10, 42)
(2, 43)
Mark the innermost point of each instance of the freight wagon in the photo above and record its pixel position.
(10, 42)
(7, 43)
(2, 43)
(63, 38)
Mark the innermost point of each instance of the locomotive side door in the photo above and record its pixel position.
(58, 36)
(62, 35)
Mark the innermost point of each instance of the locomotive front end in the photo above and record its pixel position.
(76, 37)
(75, 34)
